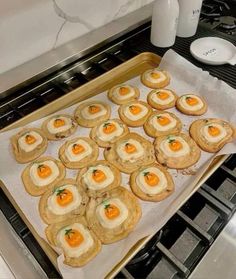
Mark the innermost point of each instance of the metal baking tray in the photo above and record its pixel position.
(119, 74)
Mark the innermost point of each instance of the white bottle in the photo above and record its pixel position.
(164, 22)
(189, 12)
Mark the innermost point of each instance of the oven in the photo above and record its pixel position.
(184, 247)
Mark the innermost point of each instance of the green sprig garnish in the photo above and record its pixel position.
(106, 124)
(106, 203)
(107, 206)
(68, 232)
(59, 191)
(170, 139)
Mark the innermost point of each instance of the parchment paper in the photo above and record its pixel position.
(185, 78)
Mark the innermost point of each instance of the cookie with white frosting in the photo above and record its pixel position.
(59, 126)
(211, 134)
(134, 113)
(73, 236)
(155, 78)
(130, 152)
(177, 151)
(66, 200)
(152, 183)
(162, 99)
(114, 216)
(123, 93)
(92, 113)
(78, 152)
(191, 104)
(28, 144)
(108, 132)
(98, 178)
(162, 123)
(42, 174)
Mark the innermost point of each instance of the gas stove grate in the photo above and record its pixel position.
(30, 98)
(13, 108)
(226, 72)
(183, 241)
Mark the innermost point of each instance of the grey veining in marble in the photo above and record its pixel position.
(68, 18)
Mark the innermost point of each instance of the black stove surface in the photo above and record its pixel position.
(198, 222)
(33, 96)
(219, 15)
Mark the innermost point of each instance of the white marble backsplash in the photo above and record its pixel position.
(29, 28)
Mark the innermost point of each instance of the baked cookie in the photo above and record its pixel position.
(177, 151)
(211, 134)
(155, 78)
(130, 152)
(28, 144)
(162, 123)
(113, 216)
(108, 132)
(123, 93)
(98, 178)
(78, 152)
(42, 174)
(162, 99)
(92, 113)
(152, 183)
(66, 200)
(134, 113)
(59, 126)
(191, 104)
(78, 243)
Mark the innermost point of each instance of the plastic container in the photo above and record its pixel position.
(164, 22)
(189, 12)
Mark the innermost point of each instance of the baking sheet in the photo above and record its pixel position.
(185, 78)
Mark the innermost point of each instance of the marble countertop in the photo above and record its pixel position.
(31, 28)
(42, 52)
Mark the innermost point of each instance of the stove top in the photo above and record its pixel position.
(219, 15)
(175, 250)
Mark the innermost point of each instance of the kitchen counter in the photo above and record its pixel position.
(219, 261)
